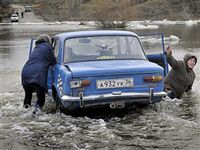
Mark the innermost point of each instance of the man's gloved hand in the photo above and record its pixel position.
(168, 50)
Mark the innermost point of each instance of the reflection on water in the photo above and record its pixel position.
(189, 35)
(168, 125)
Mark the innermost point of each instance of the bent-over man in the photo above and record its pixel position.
(34, 72)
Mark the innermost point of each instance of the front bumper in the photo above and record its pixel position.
(104, 99)
(14, 20)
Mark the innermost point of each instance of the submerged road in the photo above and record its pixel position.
(27, 16)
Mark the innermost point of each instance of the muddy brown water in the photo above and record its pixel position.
(168, 125)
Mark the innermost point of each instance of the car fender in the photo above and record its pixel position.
(62, 77)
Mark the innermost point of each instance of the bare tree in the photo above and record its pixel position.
(111, 13)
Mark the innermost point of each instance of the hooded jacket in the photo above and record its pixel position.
(180, 79)
(36, 68)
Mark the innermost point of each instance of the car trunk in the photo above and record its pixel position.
(115, 72)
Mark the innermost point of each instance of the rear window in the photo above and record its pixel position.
(103, 47)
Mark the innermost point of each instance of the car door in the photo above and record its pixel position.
(153, 45)
(50, 77)
(31, 46)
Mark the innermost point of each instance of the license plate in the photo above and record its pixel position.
(115, 83)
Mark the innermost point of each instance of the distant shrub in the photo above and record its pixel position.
(110, 13)
(112, 24)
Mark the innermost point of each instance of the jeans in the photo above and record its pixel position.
(40, 93)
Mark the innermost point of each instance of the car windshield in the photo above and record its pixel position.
(14, 15)
(102, 48)
(27, 7)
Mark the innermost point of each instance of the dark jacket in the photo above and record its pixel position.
(180, 79)
(36, 68)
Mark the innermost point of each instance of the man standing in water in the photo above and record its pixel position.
(181, 76)
(34, 73)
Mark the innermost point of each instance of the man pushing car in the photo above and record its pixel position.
(34, 73)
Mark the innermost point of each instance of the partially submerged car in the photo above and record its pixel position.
(104, 68)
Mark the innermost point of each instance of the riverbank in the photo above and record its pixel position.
(5, 11)
(87, 10)
(27, 16)
(119, 11)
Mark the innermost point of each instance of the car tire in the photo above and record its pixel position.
(59, 105)
(142, 106)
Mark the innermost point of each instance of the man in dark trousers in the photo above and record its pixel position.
(181, 76)
(34, 73)
(22, 14)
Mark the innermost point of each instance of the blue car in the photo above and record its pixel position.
(105, 68)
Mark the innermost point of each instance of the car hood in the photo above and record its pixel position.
(112, 67)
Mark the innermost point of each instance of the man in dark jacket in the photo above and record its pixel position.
(181, 76)
(34, 73)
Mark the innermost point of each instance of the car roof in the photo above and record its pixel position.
(14, 15)
(94, 33)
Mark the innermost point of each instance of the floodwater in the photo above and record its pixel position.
(168, 125)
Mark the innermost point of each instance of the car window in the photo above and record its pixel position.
(103, 47)
(152, 44)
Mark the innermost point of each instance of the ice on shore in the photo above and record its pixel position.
(140, 25)
(172, 39)
(168, 22)
(132, 25)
